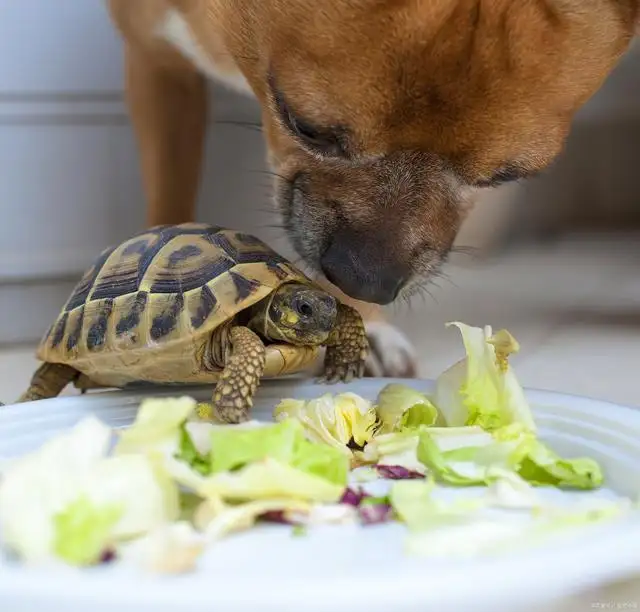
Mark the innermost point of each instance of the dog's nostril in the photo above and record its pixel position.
(361, 276)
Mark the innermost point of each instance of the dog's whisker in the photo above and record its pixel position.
(245, 124)
(469, 251)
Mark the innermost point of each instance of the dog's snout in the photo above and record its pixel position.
(364, 270)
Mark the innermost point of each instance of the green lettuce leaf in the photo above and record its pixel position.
(158, 421)
(189, 454)
(475, 526)
(268, 479)
(482, 388)
(541, 466)
(400, 407)
(83, 531)
(471, 456)
(52, 495)
(464, 455)
(284, 442)
(235, 448)
(320, 460)
(397, 449)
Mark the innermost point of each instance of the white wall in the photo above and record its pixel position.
(69, 180)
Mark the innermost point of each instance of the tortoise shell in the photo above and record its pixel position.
(140, 312)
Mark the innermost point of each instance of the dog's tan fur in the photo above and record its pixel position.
(402, 109)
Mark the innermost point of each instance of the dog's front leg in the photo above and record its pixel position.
(167, 102)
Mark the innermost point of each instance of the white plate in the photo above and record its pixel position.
(341, 568)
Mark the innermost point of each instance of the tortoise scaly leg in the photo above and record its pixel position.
(347, 347)
(233, 396)
(48, 381)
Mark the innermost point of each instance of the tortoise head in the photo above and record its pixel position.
(300, 314)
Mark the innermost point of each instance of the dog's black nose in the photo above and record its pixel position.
(364, 270)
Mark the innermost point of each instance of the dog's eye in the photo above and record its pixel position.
(506, 174)
(327, 141)
(323, 141)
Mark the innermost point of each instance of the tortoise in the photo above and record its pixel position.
(196, 303)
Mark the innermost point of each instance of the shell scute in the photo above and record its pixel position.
(163, 286)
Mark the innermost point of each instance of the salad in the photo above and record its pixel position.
(463, 469)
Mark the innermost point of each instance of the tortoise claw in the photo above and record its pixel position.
(343, 372)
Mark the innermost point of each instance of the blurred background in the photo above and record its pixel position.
(556, 259)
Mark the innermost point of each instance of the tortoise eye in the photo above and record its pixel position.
(303, 307)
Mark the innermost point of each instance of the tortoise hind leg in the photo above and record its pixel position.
(48, 381)
(233, 396)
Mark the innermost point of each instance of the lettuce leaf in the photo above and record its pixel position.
(189, 454)
(270, 479)
(463, 455)
(395, 449)
(158, 422)
(235, 448)
(284, 442)
(68, 499)
(400, 407)
(482, 388)
(83, 531)
(487, 535)
(471, 456)
(170, 548)
(320, 460)
(219, 519)
(508, 515)
(339, 421)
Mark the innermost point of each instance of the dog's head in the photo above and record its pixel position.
(383, 116)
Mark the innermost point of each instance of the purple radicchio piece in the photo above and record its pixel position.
(397, 472)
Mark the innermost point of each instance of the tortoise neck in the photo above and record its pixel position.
(216, 349)
(259, 320)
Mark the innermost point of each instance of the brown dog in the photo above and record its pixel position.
(382, 117)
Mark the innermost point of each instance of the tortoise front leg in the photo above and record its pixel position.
(347, 347)
(233, 396)
(48, 381)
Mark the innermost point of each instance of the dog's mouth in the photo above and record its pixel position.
(374, 245)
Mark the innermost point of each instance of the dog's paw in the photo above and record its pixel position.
(391, 352)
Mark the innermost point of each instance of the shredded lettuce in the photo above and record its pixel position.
(400, 407)
(284, 442)
(83, 531)
(322, 461)
(219, 519)
(270, 478)
(158, 421)
(506, 516)
(464, 455)
(414, 503)
(177, 482)
(471, 456)
(188, 452)
(171, 548)
(232, 449)
(339, 421)
(396, 449)
(475, 535)
(61, 500)
(539, 465)
(482, 388)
